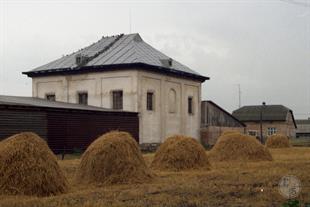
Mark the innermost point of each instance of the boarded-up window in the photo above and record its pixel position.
(190, 105)
(150, 101)
(50, 97)
(117, 99)
(172, 101)
(83, 98)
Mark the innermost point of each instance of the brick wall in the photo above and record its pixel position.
(286, 128)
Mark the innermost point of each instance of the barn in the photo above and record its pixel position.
(65, 126)
(215, 120)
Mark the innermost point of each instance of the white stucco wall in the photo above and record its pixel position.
(155, 125)
(98, 86)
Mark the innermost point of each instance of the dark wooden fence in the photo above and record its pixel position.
(66, 130)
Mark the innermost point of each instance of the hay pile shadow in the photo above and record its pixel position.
(278, 141)
(113, 158)
(180, 153)
(239, 147)
(29, 167)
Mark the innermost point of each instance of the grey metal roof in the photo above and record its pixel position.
(38, 102)
(116, 50)
(269, 113)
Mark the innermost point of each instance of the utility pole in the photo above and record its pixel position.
(261, 122)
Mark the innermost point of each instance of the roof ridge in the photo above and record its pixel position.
(265, 105)
(113, 50)
(88, 59)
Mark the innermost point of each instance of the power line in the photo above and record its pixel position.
(299, 3)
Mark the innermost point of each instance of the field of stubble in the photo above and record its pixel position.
(227, 184)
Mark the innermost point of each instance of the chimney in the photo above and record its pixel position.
(81, 59)
(166, 62)
(170, 62)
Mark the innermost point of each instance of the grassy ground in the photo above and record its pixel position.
(227, 184)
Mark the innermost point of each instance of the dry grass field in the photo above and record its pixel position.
(227, 184)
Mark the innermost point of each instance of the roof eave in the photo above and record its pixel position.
(15, 105)
(99, 68)
(294, 121)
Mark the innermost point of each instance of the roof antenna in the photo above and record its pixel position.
(239, 91)
(239, 94)
(129, 21)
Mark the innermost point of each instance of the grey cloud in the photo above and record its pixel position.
(262, 45)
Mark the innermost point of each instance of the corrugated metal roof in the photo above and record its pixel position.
(203, 104)
(38, 102)
(116, 50)
(269, 113)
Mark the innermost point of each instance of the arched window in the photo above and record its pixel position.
(172, 101)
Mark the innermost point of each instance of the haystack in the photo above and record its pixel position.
(28, 167)
(230, 132)
(278, 141)
(180, 153)
(113, 158)
(239, 147)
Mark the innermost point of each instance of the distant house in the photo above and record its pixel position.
(275, 119)
(123, 72)
(303, 128)
(215, 120)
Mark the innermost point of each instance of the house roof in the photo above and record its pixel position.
(116, 52)
(269, 113)
(43, 103)
(226, 112)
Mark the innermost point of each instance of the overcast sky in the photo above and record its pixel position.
(263, 45)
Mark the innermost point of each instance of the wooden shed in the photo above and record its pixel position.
(215, 120)
(64, 126)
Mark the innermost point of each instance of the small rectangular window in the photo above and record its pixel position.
(252, 133)
(149, 101)
(172, 101)
(190, 105)
(117, 100)
(271, 131)
(83, 98)
(50, 97)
